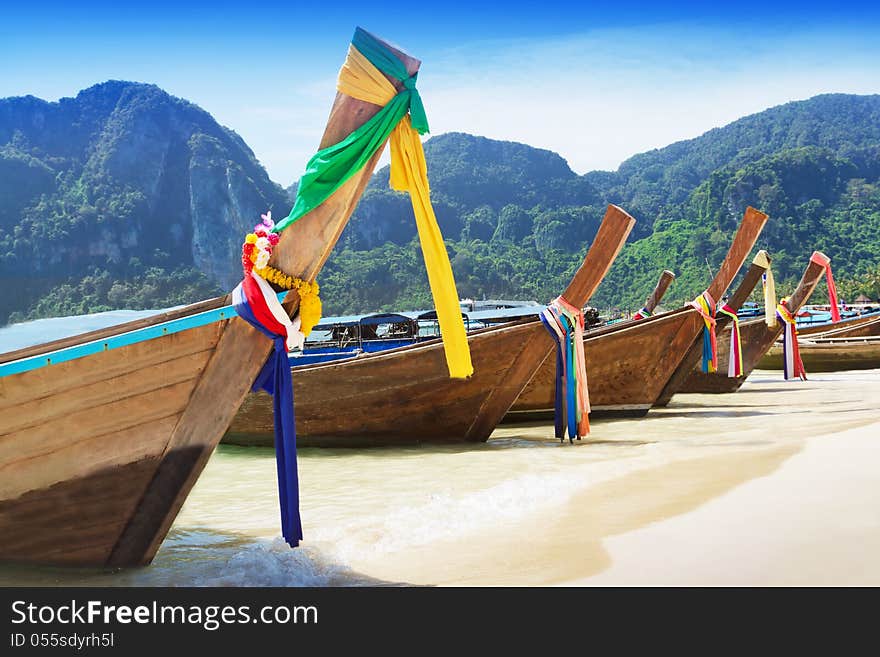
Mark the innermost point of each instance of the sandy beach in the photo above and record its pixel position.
(790, 499)
(776, 484)
(812, 521)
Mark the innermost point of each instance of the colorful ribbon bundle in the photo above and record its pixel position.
(792, 365)
(642, 313)
(255, 302)
(705, 305)
(401, 118)
(565, 323)
(735, 364)
(825, 262)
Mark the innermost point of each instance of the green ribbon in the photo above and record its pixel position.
(389, 64)
(331, 167)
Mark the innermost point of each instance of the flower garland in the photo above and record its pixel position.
(255, 254)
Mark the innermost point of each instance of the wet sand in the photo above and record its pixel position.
(792, 498)
(778, 483)
(814, 521)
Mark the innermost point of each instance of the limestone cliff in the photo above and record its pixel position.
(128, 181)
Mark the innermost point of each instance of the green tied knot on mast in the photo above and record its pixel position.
(389, 64)
(331, 167)
(416, 108)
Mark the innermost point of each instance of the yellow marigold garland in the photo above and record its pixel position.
(257, 249)
(309, 301)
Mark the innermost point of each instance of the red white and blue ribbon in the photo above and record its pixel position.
(642, 313)
(792, 365)
(705, 305)
(565, 323)
(256, 303)
(825, 262)
(735, 364)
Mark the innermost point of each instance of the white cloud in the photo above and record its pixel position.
(600, 98)
(596, 98)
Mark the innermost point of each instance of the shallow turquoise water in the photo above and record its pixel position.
(368, 511)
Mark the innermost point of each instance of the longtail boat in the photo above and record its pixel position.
(629, 363)
(102, 436)
(859, 326)
(757, 270)
(657, 294)
(756, 337)
(403, 396)
(821, 354)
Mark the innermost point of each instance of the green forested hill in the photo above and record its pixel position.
(121, 197)
(127, 197)
(518, 220)
(650, 182)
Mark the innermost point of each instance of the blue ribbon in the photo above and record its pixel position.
(570, 380)
(558, 414)
(707, 348)
(275, 379)
(566, 386)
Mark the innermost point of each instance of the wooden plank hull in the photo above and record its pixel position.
(690, 362)
(830, 355)
(97, 454)
(404, 396)
(627, 367)
(630, 365)
(398, 397)
(756, 339)
(852, 327)
(75, 464)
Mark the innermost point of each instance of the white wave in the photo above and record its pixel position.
(204, 560)
(450, 515)
(275, 564)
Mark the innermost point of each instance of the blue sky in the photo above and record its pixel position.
(596, 82)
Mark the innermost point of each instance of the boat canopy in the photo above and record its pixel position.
(431, 315)
(496, 315)
(387, 318)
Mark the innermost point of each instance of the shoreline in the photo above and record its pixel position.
(570, 546)
(775, 485)
(642, 527)
(814, 521)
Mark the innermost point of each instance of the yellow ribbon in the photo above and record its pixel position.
(705, 305)
(763, 260)
(409, 173)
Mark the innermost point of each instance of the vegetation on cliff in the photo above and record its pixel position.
(127, 197)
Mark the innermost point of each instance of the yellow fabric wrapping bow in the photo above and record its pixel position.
(762, 259)
(409, 173)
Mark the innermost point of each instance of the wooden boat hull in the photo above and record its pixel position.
(98, 453)
(756, 339)
(856, 327)
(830, 355)
(694, 355)
(404, 396)
(397, 397)
(84, 442)
(627, 367)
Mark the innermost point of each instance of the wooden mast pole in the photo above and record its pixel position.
(242, 350)
(612, 234)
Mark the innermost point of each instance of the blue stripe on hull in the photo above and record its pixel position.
(116, 341)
